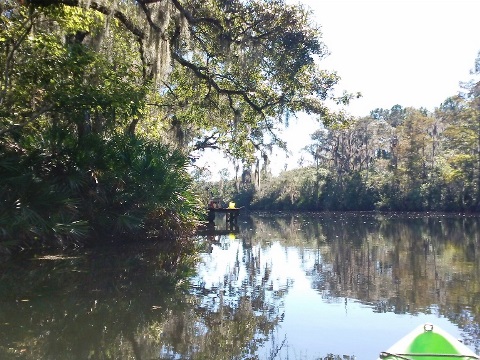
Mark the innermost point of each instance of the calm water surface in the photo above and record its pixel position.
(281, 286)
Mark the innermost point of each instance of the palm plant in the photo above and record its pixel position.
(37, 208)
(145, 188)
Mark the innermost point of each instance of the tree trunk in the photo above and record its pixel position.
(478, 161)
(132, 126)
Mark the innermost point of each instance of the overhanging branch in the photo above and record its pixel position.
(28, 118)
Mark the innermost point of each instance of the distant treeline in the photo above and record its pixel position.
(398, 159)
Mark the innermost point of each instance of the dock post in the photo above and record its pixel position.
(231, 217)
(211, 215)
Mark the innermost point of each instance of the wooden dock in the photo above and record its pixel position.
(231, 214)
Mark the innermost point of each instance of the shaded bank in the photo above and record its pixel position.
(97, 191)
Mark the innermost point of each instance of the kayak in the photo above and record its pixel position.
(428, 342)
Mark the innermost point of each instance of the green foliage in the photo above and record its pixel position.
(120, 187)
(236, 77)
(292, 190)
(402, 159)
(36, 204)
(71, 170)
(142, 187)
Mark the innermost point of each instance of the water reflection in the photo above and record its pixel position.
(403, 264)
(102, 304)
(296, 286)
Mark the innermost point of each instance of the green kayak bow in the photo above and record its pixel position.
(428, 343)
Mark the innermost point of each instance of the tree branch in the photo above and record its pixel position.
(16, 44)
(212, 83)
(30, 118)
(208, 142)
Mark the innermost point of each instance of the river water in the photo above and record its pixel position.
(280, 286)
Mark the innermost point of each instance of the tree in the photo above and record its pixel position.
(89, 87)
(227, 71)
(461, 117)
(473, 95)
(414, 153)
(67, 168)
(393, 116)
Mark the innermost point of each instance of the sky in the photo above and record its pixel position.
(406, 52)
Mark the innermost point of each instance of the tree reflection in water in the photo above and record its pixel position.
(100, 304)
(136, 303)
(397, 263)
(142, 302)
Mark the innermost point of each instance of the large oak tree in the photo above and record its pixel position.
(225, 72)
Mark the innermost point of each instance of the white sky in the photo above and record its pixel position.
(407, 52)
